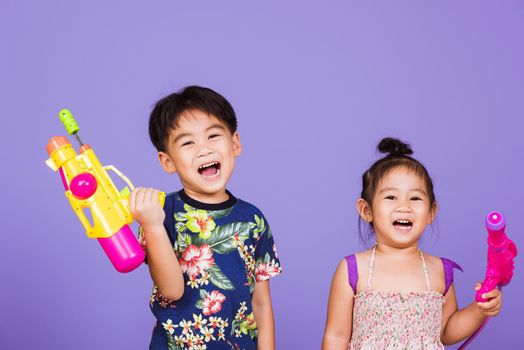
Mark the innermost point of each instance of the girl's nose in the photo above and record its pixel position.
(403, 207)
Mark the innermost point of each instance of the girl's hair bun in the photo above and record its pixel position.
(394, 147)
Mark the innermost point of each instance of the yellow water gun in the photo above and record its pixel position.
(91, 191)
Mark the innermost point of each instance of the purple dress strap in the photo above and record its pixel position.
(449, 265)
(351, 261)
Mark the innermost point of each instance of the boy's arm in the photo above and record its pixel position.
(457, 324)
(263, 312)
(162, 261)
(340, 311)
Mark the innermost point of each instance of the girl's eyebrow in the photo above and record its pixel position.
(387, 189)
(419, 190)
(396, 189)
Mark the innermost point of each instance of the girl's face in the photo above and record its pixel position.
(401, 210)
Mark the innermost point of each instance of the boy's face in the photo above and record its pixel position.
(202, 150)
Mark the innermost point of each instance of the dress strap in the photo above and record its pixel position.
(425, 268)
(351, 262)
(371, 265)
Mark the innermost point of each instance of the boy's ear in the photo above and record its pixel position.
(432, 213)
(166, 162)
(237, 145)
(364, 210)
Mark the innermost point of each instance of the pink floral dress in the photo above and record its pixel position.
(397, 320)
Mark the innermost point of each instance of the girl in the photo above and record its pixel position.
(394, 296)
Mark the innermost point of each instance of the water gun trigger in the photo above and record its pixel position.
(125, 192)
(121, 175)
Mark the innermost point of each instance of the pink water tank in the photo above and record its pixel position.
(123, 250)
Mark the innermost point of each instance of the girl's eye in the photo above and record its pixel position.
(390, 197)
(416, 199)
(187, 143)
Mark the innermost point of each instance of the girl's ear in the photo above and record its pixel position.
(237, 145)
(432, 212)
(364, 210)
(166, 162)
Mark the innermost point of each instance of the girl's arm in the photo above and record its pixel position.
(457, 324)
(163, 263)
(263, 312)
(340, 311)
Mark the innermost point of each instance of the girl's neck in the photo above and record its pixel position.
(396, 252)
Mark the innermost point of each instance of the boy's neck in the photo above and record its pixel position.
(227, 200)
(214, 198)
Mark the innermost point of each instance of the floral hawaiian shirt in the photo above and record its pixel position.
(223, 249)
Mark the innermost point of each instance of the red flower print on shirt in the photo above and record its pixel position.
(265, 270)
(213, 303)
(196, 259)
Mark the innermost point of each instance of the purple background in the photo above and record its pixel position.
(315, 85)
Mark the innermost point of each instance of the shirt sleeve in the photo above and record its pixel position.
(267, 263)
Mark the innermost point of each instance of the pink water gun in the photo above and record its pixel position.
(501, 252)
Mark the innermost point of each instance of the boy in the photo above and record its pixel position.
(210, 255)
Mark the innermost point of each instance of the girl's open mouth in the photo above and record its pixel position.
(403, 224)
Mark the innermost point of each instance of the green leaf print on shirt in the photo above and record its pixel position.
(259, 228)
(198, 220)
(219, 279)
(244, 324)
(224, 239)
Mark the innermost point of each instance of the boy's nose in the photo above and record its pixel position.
(204, 151)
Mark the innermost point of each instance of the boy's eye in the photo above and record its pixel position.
(213, 136)
(187, 143)
(416, 198)
(390, 197)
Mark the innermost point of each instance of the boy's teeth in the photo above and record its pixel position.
(209, 170)
(207, 165)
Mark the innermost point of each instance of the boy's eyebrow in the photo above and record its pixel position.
(179, 136)
(214, 126)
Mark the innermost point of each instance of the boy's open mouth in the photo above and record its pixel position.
(209, 170)
(402, 224)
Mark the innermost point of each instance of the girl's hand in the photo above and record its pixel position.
(145, 207)
(494, 303)
(142, 242)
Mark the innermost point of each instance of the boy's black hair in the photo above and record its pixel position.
(398, 155)
(167, 112)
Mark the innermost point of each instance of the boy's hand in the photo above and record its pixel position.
(494, 303)
(145, 207)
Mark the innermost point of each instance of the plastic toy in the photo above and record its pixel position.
(89, 189)
(501, 252)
